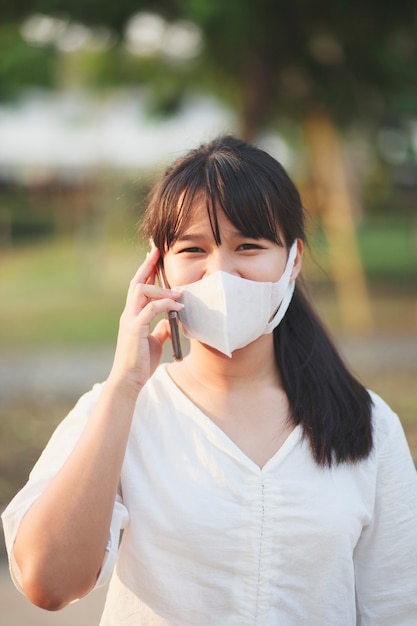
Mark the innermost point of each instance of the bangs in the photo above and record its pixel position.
(225, 185)
(249, 186)
(244, 198)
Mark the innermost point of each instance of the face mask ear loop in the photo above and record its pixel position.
(291, 257)
(282, 309)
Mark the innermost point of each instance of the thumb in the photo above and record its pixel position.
(161, 332)
(156, 341)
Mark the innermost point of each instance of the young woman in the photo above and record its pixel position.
(257, 482)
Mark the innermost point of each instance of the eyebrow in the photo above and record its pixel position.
(191, 236)
(196, 236)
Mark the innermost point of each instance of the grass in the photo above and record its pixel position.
(389, 250)
(59, 294)
(63, 294)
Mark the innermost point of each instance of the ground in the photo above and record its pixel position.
(37, 389)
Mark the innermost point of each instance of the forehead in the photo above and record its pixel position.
(214, 209)
(199, 223)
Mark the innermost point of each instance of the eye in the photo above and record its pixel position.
(250, 246)
(191, 250)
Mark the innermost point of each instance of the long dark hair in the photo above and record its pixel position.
(259, 198)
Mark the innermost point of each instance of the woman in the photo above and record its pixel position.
(257, 482)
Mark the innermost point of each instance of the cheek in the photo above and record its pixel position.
(268, 269)
(176, 271)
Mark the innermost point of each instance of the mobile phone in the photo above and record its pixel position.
(172, 318)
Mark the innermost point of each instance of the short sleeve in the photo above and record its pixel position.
(118, 523)
(386, 554)
(52, 458)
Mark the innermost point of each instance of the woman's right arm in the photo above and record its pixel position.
(61, 541)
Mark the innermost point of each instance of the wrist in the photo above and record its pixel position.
(123, 386)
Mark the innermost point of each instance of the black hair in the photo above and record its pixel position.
(256, 194)
(247, 184)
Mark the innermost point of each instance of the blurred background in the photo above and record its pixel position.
(96, 97)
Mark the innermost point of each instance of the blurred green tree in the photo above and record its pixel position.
(353, 58)
(21, 64)
(324, 63)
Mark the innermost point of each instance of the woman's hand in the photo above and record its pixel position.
(138, 351)
(76, 506)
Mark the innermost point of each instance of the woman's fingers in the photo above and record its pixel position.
(161, 332)
(155, 308)
(143, 295)
(157, 339)
(147, 270)
(142, 288)
(138, 351)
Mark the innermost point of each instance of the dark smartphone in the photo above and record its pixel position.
(173, 320)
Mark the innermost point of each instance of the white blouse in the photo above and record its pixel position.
(211, 539)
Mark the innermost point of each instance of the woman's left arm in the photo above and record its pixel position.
(386, 554)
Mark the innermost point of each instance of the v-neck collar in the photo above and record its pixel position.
(218, 436)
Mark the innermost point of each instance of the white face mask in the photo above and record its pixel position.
(228, 312)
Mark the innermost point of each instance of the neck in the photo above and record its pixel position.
(253, 365)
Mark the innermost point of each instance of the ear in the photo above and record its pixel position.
(298, 260)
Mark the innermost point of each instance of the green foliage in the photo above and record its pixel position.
(166, 86)
(269, 58)
(22, 65)
(355, 58)
(388, 250)
(87, 11)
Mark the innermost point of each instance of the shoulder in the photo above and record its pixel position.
(389, 437)
(385, 420)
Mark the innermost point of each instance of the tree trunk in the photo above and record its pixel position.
(258, 93)
(331, 179)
